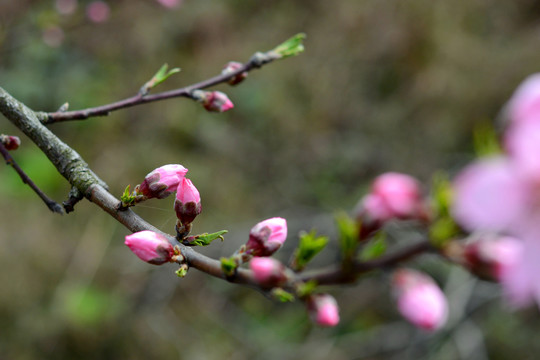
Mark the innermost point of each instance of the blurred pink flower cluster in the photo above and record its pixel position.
(501, 194)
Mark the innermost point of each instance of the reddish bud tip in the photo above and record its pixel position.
(232, 67)
(162, 182)
(268, 272)
(10, 142)
(188, 202)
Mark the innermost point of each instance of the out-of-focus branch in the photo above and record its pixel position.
(51, 204)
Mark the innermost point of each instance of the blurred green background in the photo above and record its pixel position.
(383, 85)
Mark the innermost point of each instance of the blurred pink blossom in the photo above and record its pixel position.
(323, 310)
(170, 3)
(267, 271)
(66, 7)
(393, 195)
(502, 194)
(493, 257)
(98, 11)
(420, 300)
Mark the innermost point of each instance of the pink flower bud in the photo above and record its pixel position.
(162, 182)
(493, 257)
(232, 67)
(393, 195)
(268, 272)
(214, 101)
(150, 247)
(420, 300)
(323, 310)
(188, 202)
(170, 3)
(10, 142)
(266, 237)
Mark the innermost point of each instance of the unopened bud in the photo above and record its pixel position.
(10, 142)
(420, 300)
(188, 202)
(491, 257)
(392, 196)
(232, 67)
(268, 272)
(162, 182)
(151, 247)
(323, 310)
(214, 101)
(267, 237)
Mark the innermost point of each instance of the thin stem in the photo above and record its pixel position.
(51, 204)
(104, 110)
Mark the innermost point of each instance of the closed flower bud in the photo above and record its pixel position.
(392, 196)
(10, 142)
(214, 101)
(162, 182)
(266, 237)
(232, 67)
(420, 300)
(491, 258)
(268, 272)
(188, 202)
(150, 247)
(323, 310)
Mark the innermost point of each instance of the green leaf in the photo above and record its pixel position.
(182, 270)
(375, 248)
(228, 266)
(306, 289)
(348, 235)
(127, 198)
(282, 295)
(441, 193)
(291, 47)
(486, 141)
(309, 246)
(204, 239)
(442, 231)
(160, 76)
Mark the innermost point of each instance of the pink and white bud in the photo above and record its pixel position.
(151, 247)
(231, 67)
(268, 272)
(214, 101)
(267, 237)
(10, 142)
(323, 310)
(420, 300)
(162, 182)
(188, 202)
(393, 195)
(493, 257)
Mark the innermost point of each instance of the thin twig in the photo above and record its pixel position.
(51, 204)
(104, 110)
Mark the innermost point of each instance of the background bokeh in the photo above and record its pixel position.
(383, 85)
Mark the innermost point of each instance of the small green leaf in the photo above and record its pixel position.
(160, 76)
(375, 248)
(441, 194)
(486, 141)
(204, 239)
(306, 289)
(282, 295)
(228, 266)
(182, 271)
(309, 246)
(442, 231)
(127, 198)
(290, 47)
(348, 235)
